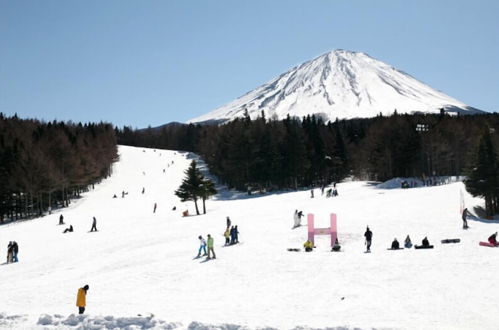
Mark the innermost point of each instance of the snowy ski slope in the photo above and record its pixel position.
(142, 263)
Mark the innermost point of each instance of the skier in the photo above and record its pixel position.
(15, 251)
(210, 247)
(335, 192)
(395, 244)
(232, 235)
(329, 192)
(465, 221)
(308, 246)
(493, 239)
(9, 252)
(155, 206)
(236, 235)
(122, 194)
(81, 299)
(202, 246)
(408, 243)
(368, 235)
(143, 190)
(227, 236)
(94, 225)
(311, 193)
(68, 230)
(228, 222)
(61, 220)
(297, 219)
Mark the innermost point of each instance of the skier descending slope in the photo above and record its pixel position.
(368, 235)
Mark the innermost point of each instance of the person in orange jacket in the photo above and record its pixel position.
(81, 299)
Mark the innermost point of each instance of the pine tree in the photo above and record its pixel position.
(208, 189)
(483, 178)
(192, 185)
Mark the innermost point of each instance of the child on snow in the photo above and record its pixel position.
(202, 246)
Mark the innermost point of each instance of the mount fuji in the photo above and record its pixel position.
(339, 84)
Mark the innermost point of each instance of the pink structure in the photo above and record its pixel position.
(312, 231)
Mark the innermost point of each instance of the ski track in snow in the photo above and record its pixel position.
(142, 263)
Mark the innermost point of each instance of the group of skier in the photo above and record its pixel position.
(70, 229)
(202, 247)
(12, 251)
(231, 234)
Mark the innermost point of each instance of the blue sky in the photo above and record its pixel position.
(143, 63)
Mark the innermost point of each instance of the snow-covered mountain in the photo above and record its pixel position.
(339, 84)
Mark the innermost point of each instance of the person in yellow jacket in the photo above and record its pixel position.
(81, 299)
(227, 236)
(308, 246)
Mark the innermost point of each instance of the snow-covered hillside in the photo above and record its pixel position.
(339, 84)
(140, 262)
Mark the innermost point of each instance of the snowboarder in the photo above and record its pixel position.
(68, 230)
(336, 247)
(368, 235)
(407, 242)
(395, 244)
(174, 208)
(464, 217)
(143, 190)
(114, 196)
(210, 247)
(61, 220)
(227, 236)
(155, 206)
(297, 219)
(81, 299)
(311, 193)
(94, 225)
(122, 194)
(425, 242)
(493, 239)
(15, 251)
(228, 222)
(202, 246)
(309, 246)
(9, 252)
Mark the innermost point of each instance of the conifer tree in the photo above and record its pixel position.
(483, 178)
(207, 190)
(191, 187)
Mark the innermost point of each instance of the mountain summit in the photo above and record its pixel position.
(339, 84)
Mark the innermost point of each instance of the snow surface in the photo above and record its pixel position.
(142, 274)
(339, 84)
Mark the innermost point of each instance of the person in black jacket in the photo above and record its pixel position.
(15, 251)
(464, 217)
(368, 235)
(395, 244)
(61, 220)
(236, 235)
(94, 225)
(426, 242)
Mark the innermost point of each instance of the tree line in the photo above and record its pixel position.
(44, 165)
(268, 154)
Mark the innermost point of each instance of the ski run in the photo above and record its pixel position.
(142, 272)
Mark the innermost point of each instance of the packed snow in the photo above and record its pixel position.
(142, 271)
(339, 84)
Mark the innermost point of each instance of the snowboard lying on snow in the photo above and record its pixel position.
(400, 248)
(451, 240)
(423, 247)
(487, 244)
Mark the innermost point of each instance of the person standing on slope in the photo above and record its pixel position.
(228, 222)
(9, 252)
(464, 217)
(227, 236)
(15, 251)
(155, 206)
(94, 225)
(236, 235)
(368, 235)
(61, 220)
(202, 246)
(210, 247)
(81, 299)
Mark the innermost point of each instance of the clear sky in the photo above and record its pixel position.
(143, 63)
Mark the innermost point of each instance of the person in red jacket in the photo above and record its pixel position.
(493, 239)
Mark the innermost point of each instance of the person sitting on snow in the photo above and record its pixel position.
(308, 246)
(408, 243)
(425, 242)
(395, 244)
(493, 239)
(68, 230)
(336, 247)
